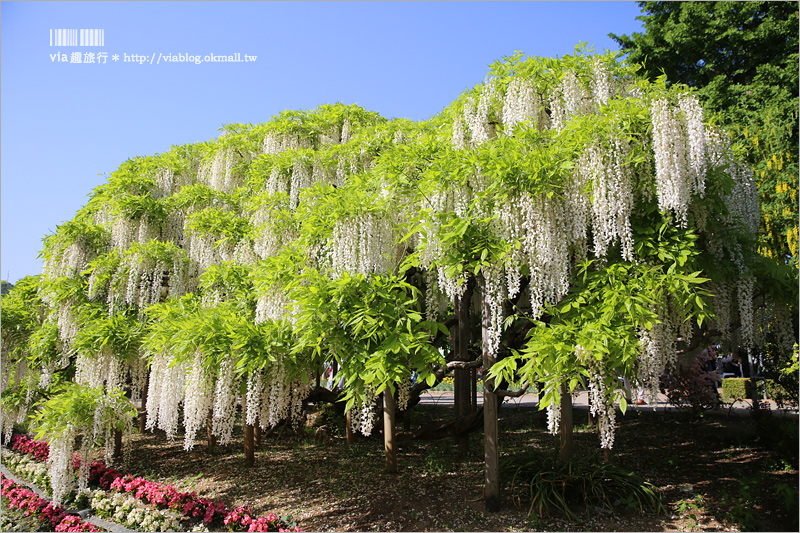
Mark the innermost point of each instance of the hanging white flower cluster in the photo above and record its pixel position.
(67, 321)
(202, 250)
(680, 148)
(15, 374)
(138, 370)
(269, 239)
(459, 135)
(275, 143)
(164, 183)
(362, 415)
(173, 227)
(541, 227)
(495, 294)
(697, 141)
(68, 262)
(198, 401)
(144, 279)
(218, 174)
(11, 371)
(164, 394)
(301, 179)
(106, 367)
(272, 305)
(345, 137)
(59, 463)
(123, 233)
(106, 414)
(86, 463)
(569, 99)
(332, 135)
(521, 103)
(742, 201)
(272, 396)
(658, 352)
(554, 414)
(403, 393)
(225, 394)
(364, 244)
(477, 117)
(723, 300)
(745, 288)
(602, 83)
(600, 404)
(612, 196)
(255, 390)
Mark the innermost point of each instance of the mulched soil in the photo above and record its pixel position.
(716, 473)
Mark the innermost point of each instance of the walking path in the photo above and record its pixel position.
(530, 401)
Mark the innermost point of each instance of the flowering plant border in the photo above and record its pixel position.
(162, 496)
(32, 504)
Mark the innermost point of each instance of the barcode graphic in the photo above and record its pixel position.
(75, 37)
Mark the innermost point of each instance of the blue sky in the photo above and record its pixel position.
(65, 126)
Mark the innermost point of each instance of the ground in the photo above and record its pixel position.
(714, 473)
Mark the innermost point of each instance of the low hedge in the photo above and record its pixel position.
(739, 389)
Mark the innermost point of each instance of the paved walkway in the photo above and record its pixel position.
(530, 401)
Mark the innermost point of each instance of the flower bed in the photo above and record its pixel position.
(161, 497)
(28, 501)
(28, 467)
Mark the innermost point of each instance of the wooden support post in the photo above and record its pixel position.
(389, 409)
(212, 440)
(461, 383)
(491, 454)
(566, 449)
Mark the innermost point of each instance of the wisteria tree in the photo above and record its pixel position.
(573, 222)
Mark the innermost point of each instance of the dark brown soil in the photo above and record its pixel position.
(716, 473)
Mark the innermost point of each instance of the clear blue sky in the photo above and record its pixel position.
(65, 125)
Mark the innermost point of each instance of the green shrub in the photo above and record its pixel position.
(777, 392)
(740, 389)
(735, 389)
(554, 485)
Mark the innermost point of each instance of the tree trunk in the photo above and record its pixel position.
(474, 384)
(212, 440)
(462, 393)
(143, 414)
(566, 440)
(258, 432)
(491, 456)
(117, 443)
(249, 437)
(389, 409)
(407, 419)
(351, 438)
(249, 445)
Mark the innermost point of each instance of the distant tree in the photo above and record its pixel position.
(742, 57)
(5, 287)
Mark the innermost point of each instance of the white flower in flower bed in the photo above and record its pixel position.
(25, 466)
(124, 509)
